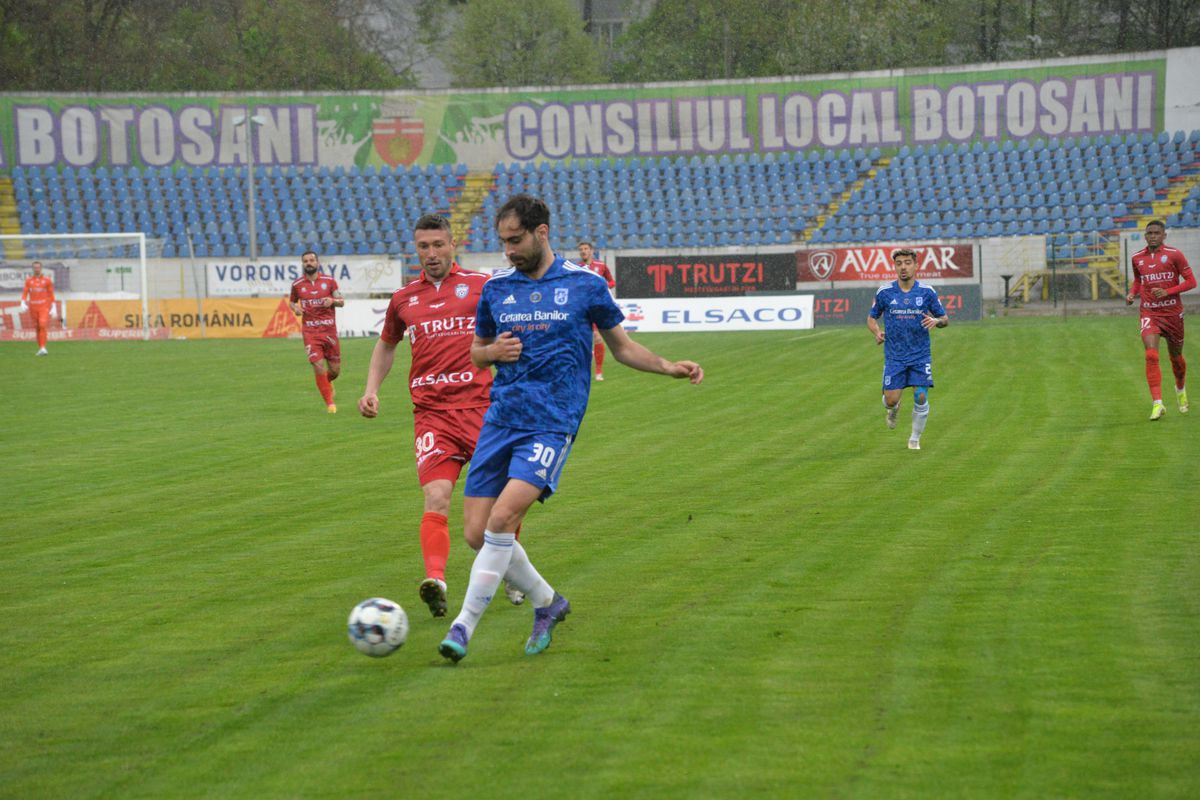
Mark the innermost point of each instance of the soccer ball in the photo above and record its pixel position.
(378, 627)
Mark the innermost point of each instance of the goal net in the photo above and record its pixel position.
(87, 269)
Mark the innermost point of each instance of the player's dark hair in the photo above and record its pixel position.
(1157, 222)
(904, 251)
(582, 242)
(433, 222)
(306, 252)
(529, 210)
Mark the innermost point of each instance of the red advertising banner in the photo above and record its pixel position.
(934, 262)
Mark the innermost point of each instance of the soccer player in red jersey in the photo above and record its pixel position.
(1160, 275)
(449, 393)
(38, 300)
(314, 298)
(586, 253)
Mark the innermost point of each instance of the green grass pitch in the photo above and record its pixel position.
(772, 596)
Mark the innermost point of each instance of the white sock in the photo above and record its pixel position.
(491, 562)
(919, 415)
(522, 575)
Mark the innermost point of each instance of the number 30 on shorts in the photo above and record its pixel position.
(542, 455)
(424, 443)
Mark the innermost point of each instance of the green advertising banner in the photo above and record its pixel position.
(480, 129)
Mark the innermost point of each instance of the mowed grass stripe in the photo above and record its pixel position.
(772, 594)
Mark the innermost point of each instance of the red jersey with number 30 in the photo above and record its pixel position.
(317, 317)
(440, 320)
(1165, 268)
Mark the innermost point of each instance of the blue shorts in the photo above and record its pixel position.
(899, 376)
(502, 453)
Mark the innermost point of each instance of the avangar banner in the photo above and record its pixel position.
(1067, 97)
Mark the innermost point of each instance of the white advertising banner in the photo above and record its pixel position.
(274, 276)
(361, 317)
(745, 313)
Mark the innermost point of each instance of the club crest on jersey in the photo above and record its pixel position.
(535, 297)
(560, 296)
(1163, 258)
(461, 290)
(920, 300)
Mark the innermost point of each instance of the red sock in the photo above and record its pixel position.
(1153, 375)
(435, 544)
(324, 388)
(1179, 366)
(598, 354)
(42, 336)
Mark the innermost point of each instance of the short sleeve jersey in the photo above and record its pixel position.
(440, 321)
(601, 269)
(907, 342)
(1162, 269)
(546, 389)
(39, 290)
(316, 318)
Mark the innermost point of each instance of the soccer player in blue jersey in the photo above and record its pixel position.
(911, 310)
(534, 324)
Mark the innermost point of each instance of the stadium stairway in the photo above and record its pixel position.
(476, 187)
(10, 223)
(830, 210)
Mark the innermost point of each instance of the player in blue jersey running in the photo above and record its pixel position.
(534, 324)
(912, 310)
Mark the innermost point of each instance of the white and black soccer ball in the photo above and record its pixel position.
(378, 627)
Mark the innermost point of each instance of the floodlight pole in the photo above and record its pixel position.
(252, 214)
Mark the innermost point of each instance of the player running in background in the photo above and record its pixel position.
(912, 310)
(449, 393)
(1160, 275)
(534, 325)
(314, 297)
(38, 300)
(586, 252)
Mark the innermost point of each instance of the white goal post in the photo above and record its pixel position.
(92, 265)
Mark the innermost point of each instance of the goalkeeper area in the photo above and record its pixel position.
(96, 266)
(772, 597)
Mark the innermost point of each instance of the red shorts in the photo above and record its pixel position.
(1170, 328)
(445, 441)
(41, 316)
(320, 346)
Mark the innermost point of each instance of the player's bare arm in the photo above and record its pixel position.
(929, 321)
(873, 326)
(381, 364)
(334, 300)
(638, 356)
(503, 348)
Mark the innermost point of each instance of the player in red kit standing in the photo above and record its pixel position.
(314, 297)
(1160, 275)
(449, 393)
(38, 300)
(586, 253)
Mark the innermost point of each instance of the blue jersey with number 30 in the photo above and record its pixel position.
(907, 341)
(546, 389)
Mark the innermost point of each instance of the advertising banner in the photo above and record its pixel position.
(214, 318)
(14, 324)
(850, 306)
(934, 262)
(1098, 95)
(14, 273)
(275, 276)
(692, 275)
(775, 313)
